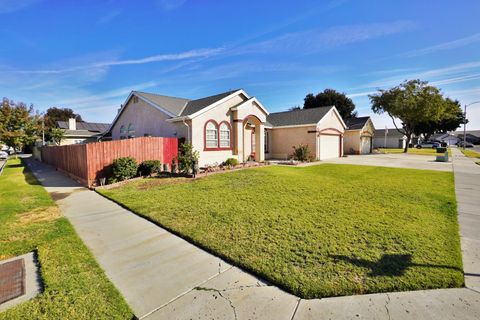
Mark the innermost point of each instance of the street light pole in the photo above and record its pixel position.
(465, 124)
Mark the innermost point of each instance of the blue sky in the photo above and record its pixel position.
(88, 55)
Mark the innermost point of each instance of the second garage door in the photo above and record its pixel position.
(329, 146)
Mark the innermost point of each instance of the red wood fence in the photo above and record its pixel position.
(89, 162)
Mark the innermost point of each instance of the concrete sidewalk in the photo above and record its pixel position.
(164, 277)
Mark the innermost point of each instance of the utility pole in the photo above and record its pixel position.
(43, 131)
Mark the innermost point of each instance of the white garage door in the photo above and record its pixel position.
(329, 147)
(365, 145)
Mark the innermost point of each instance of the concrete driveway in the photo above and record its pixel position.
(396, 160)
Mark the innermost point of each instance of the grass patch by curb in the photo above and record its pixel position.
(75, 287)
(470, 153)
(422, 151)
(318, 231)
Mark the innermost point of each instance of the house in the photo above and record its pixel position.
(358, 138)
(472, 136)
(447, 138)
(81, 132)
(389, 138)
(230, 125)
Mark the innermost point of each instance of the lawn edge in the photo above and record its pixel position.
(265, 278)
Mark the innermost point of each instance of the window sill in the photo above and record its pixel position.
(218, 149)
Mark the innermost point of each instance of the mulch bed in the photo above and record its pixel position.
(12, 280)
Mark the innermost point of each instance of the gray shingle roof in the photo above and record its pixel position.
(171, 104)
(86, 126)
(356, 123)
(197, 105)
(297, 117)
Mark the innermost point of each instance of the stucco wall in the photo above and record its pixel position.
(331, 120)
(351, 142)
(147, 120)
(219, 113)
(283, 140)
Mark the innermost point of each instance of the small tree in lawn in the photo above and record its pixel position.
(187, 158)
(413, 102)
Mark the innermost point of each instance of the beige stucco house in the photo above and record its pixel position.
(358, 138)
(230, 125)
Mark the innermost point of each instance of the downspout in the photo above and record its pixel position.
(188, 130)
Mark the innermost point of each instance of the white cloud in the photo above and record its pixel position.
(318, 40)
(444, 46)
(102, 65)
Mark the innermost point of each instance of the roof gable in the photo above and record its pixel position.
(194, 106)
(356, 123)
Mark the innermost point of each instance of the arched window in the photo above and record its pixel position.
(211, 135)
(224, 135)
(131, 130)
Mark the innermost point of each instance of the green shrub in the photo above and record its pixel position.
(123, 169)
(230, 162)
(187, 158)
(149, 167)
(301, 153)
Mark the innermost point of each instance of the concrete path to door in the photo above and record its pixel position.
(164, 277)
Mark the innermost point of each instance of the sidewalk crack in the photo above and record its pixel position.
(386, 306)
(224, 297)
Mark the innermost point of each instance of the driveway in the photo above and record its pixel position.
(395, 160)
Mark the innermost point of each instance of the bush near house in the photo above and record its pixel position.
(149, 167)
(123, 169)
(187, 158)
(75, 287)
(230, 162)
(301, 153)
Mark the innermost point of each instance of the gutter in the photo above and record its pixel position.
(188, 130)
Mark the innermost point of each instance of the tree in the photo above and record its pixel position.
(414, 103)
(56, 135)
(19, 126)
(450, 120)
(54, 114)
(294, 108)
(331, 97)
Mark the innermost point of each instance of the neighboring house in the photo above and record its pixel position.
(472, 136)
(447, 138)
(393, 139)
(229, 125)
(359, 135)
(81, 132)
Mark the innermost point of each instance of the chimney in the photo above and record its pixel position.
(72, 124)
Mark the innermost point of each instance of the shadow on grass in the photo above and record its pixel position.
(392, 265)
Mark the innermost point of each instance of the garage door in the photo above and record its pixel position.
(329, 147)
(365, 145)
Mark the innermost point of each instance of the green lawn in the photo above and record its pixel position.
(423, 151)
(470, 153)
(74, 285)
(318, 231)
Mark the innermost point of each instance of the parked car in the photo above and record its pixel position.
(3, 155)
(428, 144)
(467, 144)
